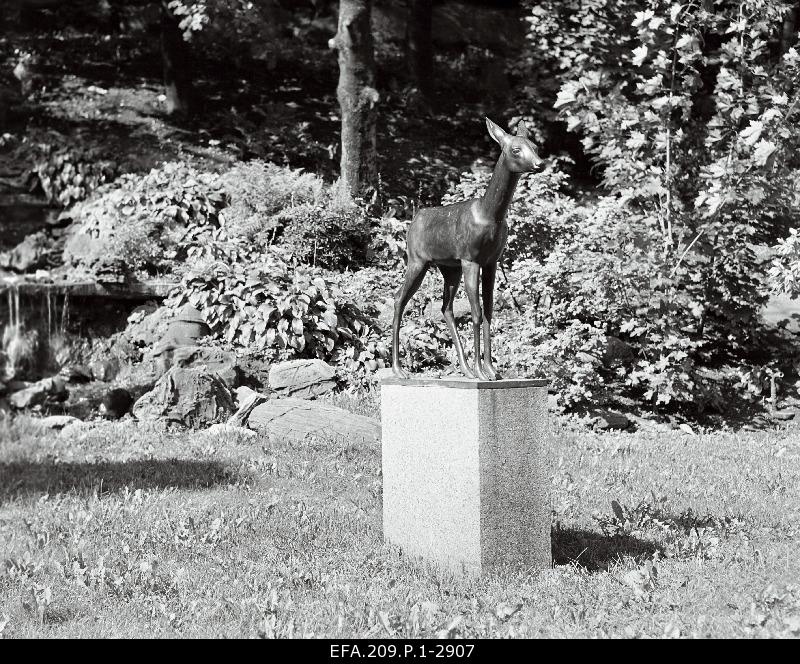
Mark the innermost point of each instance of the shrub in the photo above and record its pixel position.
(67, 176)
(258, 191)
(333, 233)
(146, 221)
(287, 311)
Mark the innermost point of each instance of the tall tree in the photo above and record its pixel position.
(356, 93)
(419, 51)
(177, 63)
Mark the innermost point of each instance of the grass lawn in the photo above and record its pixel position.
(123, 530)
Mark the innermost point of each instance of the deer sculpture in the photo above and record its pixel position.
(466, 238)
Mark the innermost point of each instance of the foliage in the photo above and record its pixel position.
(686, 110)
(333, 233)
(149, 221)
(258, 191)
(67, 176)
(231, 28)
(387, 245)
(287, 311)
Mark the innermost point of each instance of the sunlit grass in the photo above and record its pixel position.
(124, 530)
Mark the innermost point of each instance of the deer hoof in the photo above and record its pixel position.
(479, 373)
(397, 371)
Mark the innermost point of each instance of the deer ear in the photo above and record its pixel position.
(522, 129)
(496, 133)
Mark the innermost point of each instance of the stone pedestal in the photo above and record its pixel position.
(464, 472)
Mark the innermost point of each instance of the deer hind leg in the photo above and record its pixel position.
(472, 275)
(415, 273)
(488, 273)
(452, 279)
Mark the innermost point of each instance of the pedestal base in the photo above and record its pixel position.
(464, 477)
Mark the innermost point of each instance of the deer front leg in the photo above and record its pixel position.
(488, 273)
(415, 273)
(452, 278)
(472, 273)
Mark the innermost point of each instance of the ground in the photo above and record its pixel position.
(123, 530)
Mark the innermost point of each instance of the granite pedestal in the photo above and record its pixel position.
(465, 483)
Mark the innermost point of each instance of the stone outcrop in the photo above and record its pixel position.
(304, 379)
(39, 392)
(191, 397)
(298, 420)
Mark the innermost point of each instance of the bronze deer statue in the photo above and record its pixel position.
(466, 238)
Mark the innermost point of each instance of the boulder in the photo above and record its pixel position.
(184, 329)
(191, 397)
(28, 255)
(304, 379)
(609, 420)
(254, 370)
(246, 401)
(104, 370)
(76, 373)
(299, 419)
(39, 392)
(221, 362)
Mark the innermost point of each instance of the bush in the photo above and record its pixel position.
(333, 233)
(258, 191)
(67, 176)
(287, 311)
(147, 222)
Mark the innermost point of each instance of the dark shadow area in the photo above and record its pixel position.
(18, 479)
(595, 552)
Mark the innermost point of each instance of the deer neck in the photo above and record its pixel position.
(500, 191)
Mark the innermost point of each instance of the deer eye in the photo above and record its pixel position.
(516, 150)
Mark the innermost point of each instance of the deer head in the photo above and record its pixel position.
(519, 152)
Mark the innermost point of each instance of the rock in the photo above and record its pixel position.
(303, 379)
(299, 419)
(254, 371)
(221, 362)
(58, 421)
(183, 330)
(76, 373)
(617, 352)
(147, 325)
(192, 397)
(116, 403)
(246, 400)
(104, 370)
(609, 420)
(28, 255)
(39, 392)
(783, 415)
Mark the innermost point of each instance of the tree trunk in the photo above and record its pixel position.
(357, 95)
(790, 25)
(177, 73)
(419, 50)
